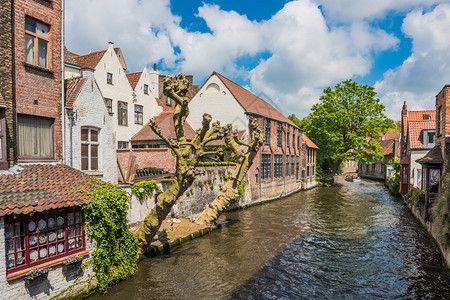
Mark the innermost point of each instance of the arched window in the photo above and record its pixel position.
(89, 149)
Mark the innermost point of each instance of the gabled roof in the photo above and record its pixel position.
(252, 103)
(434, 156)
(308, 142)
(72, 89)
(165, 121)
(41, 187)
(405, 160)
(415, 132)
(417, 115)
(389, 135)
(133, 78)
(68, 57)
(2, 101)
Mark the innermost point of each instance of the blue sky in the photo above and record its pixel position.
(285, 51)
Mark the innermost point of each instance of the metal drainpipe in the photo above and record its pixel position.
(62, 85)
(70, 114)
(260, 162)
(301, 155)
(285, 156)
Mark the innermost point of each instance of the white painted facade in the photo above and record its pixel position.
(71, 71)
(90, 111)
(215, 99)
(150, 106)
(415, 168)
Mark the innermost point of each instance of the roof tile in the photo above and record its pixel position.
(133, 78)
(308, 142)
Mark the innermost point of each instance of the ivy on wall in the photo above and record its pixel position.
(145, 189)
(116, 253)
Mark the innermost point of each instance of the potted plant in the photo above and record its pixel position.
(73, 262)
(36, 275)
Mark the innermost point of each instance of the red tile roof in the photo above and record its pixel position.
(68, 57)
(165, 121)
(391, 135)
(41, 187)
(90, 60)
(415, 132)
(2, 101)
(252, 103)
(72, 89)
(405, 160)
(417, 115)
(133, 78)
(308, 142)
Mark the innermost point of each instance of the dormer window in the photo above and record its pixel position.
(429, 138)
(109, 78)
(146, 89)
(426, 117)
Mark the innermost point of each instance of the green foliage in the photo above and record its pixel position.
(214, 163)
(241, 191)
(115, 256)
(324, 178)
(394, 189)
(345, 123)
(200, 185)
(148, 186)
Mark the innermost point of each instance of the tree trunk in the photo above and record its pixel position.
(335, 167)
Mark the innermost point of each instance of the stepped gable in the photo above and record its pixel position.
(133, 78)
(252, 103)
(41, 187)
(72, 89)
(308, 142)
(165, 121)
(415, 132)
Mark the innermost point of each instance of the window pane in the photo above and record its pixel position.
(70, 218)
(10, 261)
(42, 30)
(42, 53)
(19, 229)
(9, 231)
(94, 135)
(20, 258)
(94, 163)
(35, 137)
(29, 49)
(30, 25)
(9, 246)
(84, 134)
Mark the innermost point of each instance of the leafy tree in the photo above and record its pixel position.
(345, 125)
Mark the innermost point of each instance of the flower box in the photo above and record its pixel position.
(36, 275)
(72, 263)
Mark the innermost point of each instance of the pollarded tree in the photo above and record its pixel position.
(228, 193)
(346, 124)
(185, 170)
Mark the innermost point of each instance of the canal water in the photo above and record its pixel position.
(351, 241)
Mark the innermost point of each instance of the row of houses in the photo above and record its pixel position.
(66, 118)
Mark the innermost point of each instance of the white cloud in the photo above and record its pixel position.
(427, 70)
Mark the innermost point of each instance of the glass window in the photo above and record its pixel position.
(287, 166)
(278, 166)
(109, 104)
(89, 149)
(279, 134)
(122, 145)
(292, 165)
(145, 89)
(109, 78)
(287, 136)
(36, 43)
(168, 101)
(35, 136)
(265, 166)
(138, 114)
(267, 132)
(122, 113)
(30, 241)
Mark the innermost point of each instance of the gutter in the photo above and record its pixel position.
(71, 123)
(62, 86)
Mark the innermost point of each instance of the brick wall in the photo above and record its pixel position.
(6, 74)
(35, 83)
(148, 157)
(443, 103)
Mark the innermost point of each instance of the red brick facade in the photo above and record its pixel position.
(443, 124)
(38, 89)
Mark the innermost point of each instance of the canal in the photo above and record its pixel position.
(348, 241)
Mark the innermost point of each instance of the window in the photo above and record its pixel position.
(35, 137)
(279, 133)
(138, 114)
(168, 101)
(36, 43)
(430, 138)
(109, 78)
(298, 141)
(287, 136)
(293, 137)
(373, 167)
(287, 166)
(30, 241)
(278, 166)
(439, 124)
(122, 113)
(296, 168)
(89, 149)
(265, 166)
(108, 103)
(292, 165)
(122, 145)
(146, 89)
(426, 117)
(267, 132)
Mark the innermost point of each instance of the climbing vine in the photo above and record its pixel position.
(115, 256)
(241, 191)
(148, 187)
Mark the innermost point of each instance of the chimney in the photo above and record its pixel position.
(87, 72)
(404, 109)
(154, 67)
(110, 44)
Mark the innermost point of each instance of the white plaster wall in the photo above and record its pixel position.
(148, 101)
(415, 154)
(119, 90)
(70, 72)
(219, 103)
(90, 110)
(56, 282)
(139, 209)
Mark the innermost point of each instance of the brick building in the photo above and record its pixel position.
(443, 124)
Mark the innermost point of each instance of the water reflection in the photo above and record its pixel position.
(348, 241)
